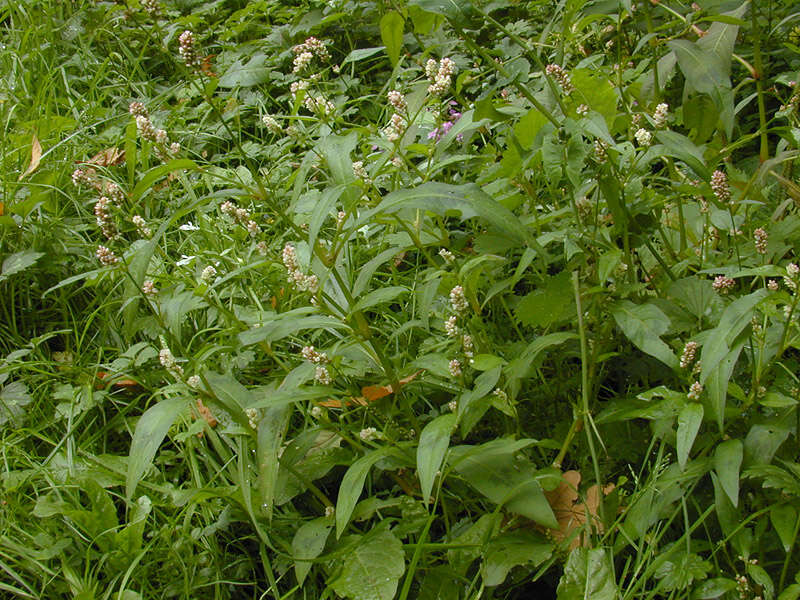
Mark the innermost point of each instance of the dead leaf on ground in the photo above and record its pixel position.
(369, 393)
(36, 157)
(205, 412)
(117, 383)
(107, 158)
(572, 514)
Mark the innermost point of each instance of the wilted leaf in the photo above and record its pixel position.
(370, 393)
(108, 157)
(36, 157)
(571, 514)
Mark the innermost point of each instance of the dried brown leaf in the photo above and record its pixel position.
(36, 157)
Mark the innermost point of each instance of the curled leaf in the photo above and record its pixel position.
(369, 393)
(571, 514)
(36, 157)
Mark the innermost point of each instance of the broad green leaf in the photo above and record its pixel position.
(231, 394)
(735, 318)
(643, 325)
(520, 367)
(790, 593)
(588, 575)
(372, 569)
(271, 430)
(391, 26)
(553, 301)
(146, 182)
(784, 520)
(18, 261)
(433, 443)
(361, 54)
(716, 396)
(504, 477)
(528, 127)
(720, 38)
(286, 324)
(322, 211)
(14, 397)
(713, 588)
(727, 462)
(352, 485)
(596, 91)
(704, 70)
(150, 431)
(689, 420)
(366, 272)
(379, 296)
(761, 579)
(679, 569)
(467, 200)
(683, 148)
(239, 74)
(458, 12)
(307, 544)
(512, 549)
(473, 404)
(764, 439)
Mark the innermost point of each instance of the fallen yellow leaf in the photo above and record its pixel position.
(369, 393)
(571, 514)
(36, 157)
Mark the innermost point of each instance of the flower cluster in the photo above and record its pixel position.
(187, 48)
(439, 132)
(454, 366)
(694, 391)
(141, 226)
(151, 7)
(643, 137)
(305, 52)
(397, 101)
(149, 288)
(396, 128)
(104, 219)
(252, 417)
(360, 172)
(304, 283)
(600, 151)
(319, 104)
(106, 256)
(271, 124)
(168, 361)
(451, 327)
(660, 115)
(468, 347)
(723, 284)
(321, 374)
(760, 239)
(440, 75)
(561, 76)
(689, 354)
(719, 185)
(240, 216)
(458, 300)
(159, 137)
(791, 277)
(208, 273)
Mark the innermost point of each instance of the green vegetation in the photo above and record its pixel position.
(432, 299)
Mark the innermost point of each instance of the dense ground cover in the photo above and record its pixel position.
(433, 299)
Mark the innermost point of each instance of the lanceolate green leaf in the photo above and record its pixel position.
(391, 26)
(433, 442)
(467, 201)
(643, 324)
(241, 74)
(705, 71)
(689, 420)
(271, 430)
(727, 461)
(150, 431)
(352, 485)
